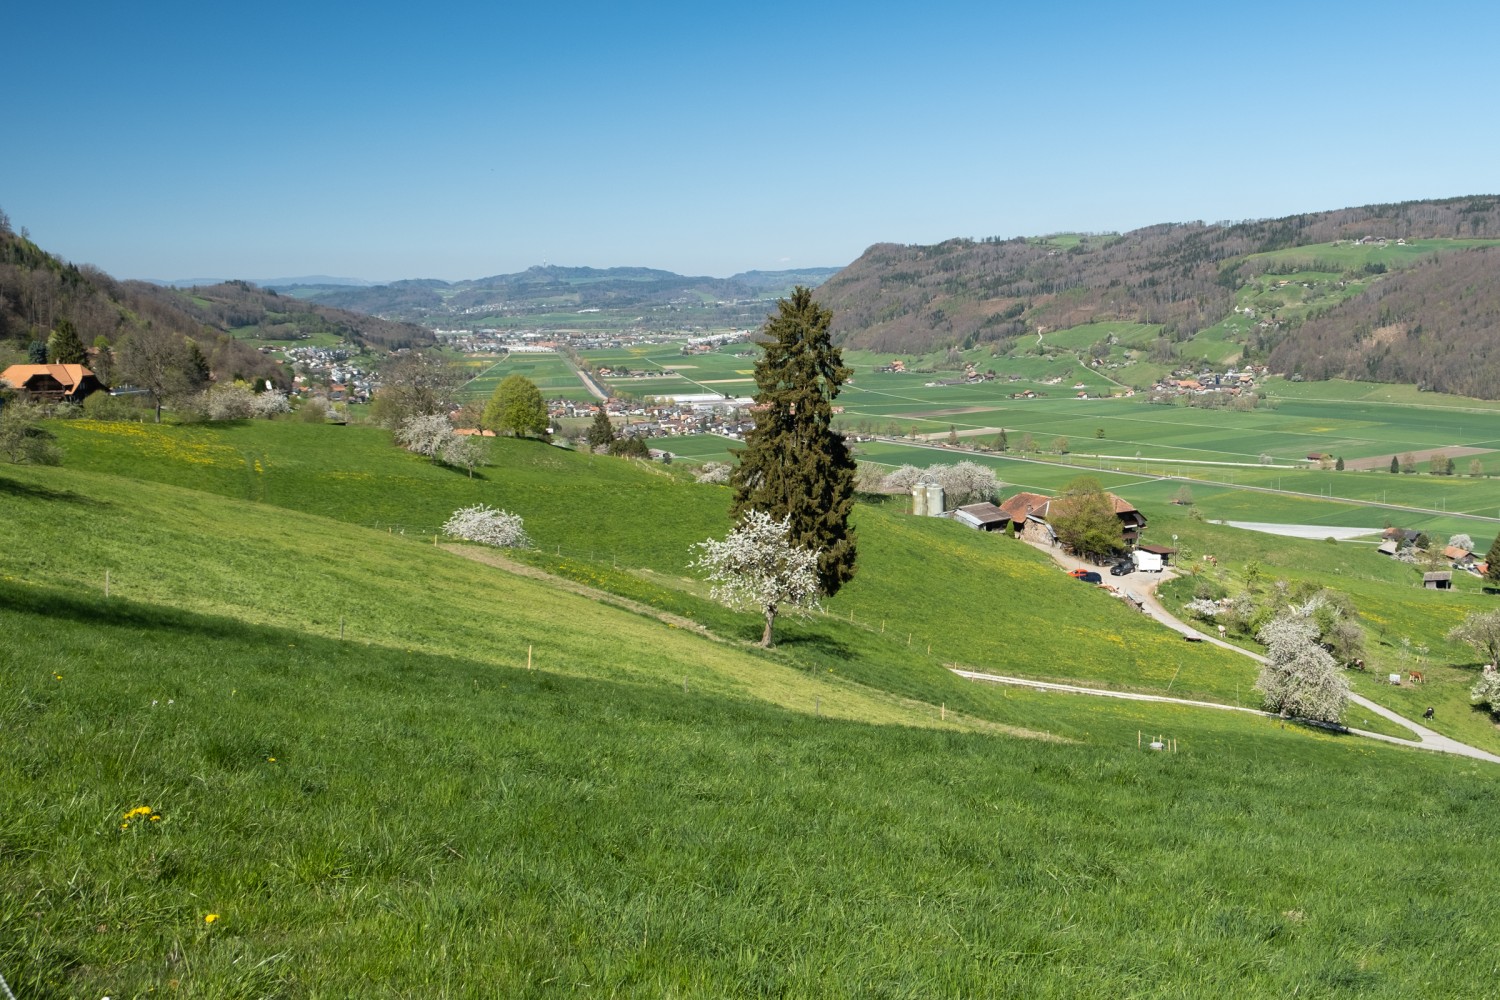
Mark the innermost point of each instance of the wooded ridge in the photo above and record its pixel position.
(1182, 277)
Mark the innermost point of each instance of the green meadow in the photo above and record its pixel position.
(380, 760)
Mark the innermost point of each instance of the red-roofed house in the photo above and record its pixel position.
(54, 383)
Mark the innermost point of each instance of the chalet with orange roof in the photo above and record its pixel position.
(52, 383)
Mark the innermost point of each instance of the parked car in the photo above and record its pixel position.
(1122, 568)
(1087, 576)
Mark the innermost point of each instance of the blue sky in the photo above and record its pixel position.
(457, 140)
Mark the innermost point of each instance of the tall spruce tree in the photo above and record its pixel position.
(64, 346)
(793, 465)
(601, 433)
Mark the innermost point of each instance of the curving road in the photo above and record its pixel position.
(1143, 585)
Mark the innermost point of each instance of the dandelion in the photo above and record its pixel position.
(271, 759)
(57, 677)
(209, 918)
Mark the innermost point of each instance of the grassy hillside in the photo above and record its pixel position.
(410, 806)
(629, 527)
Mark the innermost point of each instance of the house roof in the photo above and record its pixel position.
(1387, 548)
(68, 376)
(982, 513)
(1456, 552)
(1160, 550)
(1440, 575)
(1022, 504)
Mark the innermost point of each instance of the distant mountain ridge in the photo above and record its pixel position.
(433, 301)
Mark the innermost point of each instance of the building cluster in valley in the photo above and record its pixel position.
(1186, 382)
(329, 371)
(632, 418)
(485, 341)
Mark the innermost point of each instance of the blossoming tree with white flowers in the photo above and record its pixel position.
(488, 526)
(757, 567)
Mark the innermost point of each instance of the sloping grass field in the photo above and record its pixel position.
(360, 781)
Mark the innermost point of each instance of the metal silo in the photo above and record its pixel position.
(935, 500)
(919, 499)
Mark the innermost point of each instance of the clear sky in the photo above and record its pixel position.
(457, 140)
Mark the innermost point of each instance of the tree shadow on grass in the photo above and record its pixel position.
(32, 491)
(51, 602)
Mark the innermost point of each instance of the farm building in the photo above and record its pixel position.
(1441, 580)
(1030, 511)
(982, 517)
(1458, 556)
(53, 383)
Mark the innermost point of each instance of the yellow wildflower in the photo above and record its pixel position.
(209, 918)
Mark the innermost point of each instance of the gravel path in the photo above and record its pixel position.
(1143, 586)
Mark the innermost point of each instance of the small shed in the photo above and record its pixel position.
(1387, 548)
(1441, 580)
(1165, 553)
(982, 517)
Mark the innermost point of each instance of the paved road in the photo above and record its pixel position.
(1143, 586)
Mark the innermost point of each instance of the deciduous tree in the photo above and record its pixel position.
(1084, 519)
(757, 566)
(488, 526)
(467, 452)
(1480, 630)
(426, 436)
(516, 407)
(1299, 677)
(159, 361)
(416, 385)
(794, 466)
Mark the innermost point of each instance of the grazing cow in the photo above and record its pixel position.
(1357, 665)
(1416, 677)
(1427, 714)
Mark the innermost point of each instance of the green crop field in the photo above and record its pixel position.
(360, 781)
(551, 373)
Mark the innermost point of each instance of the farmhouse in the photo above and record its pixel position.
(1030, 511)
(53, 383)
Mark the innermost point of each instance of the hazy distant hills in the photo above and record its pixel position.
(553, 289)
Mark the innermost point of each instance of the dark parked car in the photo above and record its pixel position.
(1089, 577)
(1122, 568)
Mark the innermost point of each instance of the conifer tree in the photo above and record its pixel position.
(793, 465)
(601, 433)
(64, 346)
(1492, 562)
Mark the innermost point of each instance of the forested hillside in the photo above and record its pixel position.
(1181, 277)
(39, 291)
(1434, 325)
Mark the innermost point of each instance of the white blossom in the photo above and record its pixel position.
(484, 524)
(757, 566)
(427, 435)
(270, 403)
(965, 482)
(1299, 677)
(713, 472)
